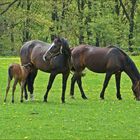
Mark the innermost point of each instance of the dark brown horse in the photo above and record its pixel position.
(110, 60)
(53, 59)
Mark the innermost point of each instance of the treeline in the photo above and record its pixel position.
(96, 22)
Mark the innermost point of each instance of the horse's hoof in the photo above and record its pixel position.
(21, 101)
(72, 97)
(84, 97)
(102, 98)
(31, 97)
(63, 102)
(12, 101)
(5, 100)
(26, 97)
(63, 99)
(45, 101)
(119, 98)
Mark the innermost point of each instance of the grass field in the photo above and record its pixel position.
(77, 118)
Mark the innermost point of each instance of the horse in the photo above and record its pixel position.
(20, 74)
(53, 59)
(110, 60)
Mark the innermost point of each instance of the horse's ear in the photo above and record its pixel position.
(53, 37)
(65, 47)
(65, 42)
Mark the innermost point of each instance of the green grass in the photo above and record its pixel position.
(76, 119)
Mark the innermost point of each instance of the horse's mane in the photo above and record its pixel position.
(129, 61)
(66, 50)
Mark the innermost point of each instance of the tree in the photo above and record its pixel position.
(130, 20)
(97, 22)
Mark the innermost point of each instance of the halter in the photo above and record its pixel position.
(59, 52)
(137, 84)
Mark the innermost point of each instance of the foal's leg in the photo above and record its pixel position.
(51, 79)
(73, 80)
(7, 89)
(79, 82)
(13, 89)
(22, 89)
(64, 83)
(118, 78)
(107, 78)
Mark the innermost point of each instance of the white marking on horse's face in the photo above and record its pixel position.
(44, 57)
(47, 51)
(51, 46)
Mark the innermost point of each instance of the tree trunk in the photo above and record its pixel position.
(97, 40)
(131, 24)
(87, 22)
(117, 7)
(26, 30)
(80, 4)
(131, 21)
(54, 19)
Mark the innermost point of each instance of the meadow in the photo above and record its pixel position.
(77, 118)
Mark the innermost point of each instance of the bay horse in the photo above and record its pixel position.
(53, 59)
(20, 74)
(110, 60)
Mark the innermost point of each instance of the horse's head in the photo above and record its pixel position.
(56, 48)
(136, 90)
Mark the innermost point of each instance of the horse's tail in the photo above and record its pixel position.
(74, 71)
(82, 74)
(10, 73)
(26, 51)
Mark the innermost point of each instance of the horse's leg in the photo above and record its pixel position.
(51, 79)
(30, 82)
(73, 80)
(79, 82)
(13, 90)
(22, 89)
(7, 89)
(64, 84)
(107, 78)
(118, 78)
(25, 91)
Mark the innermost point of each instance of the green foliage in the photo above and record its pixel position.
(91, 20)
(77, 118)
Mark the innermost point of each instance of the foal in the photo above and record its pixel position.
(20, 74)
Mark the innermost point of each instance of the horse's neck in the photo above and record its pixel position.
(132, 73)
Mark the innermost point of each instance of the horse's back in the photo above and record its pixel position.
(97, 59)
(89, 56)
(15, 70)
(32, 46)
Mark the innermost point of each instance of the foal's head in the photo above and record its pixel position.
(28, 67)
(56, 48)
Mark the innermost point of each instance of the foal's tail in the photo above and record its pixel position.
(10, 73)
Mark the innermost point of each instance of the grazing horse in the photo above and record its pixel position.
(110, 60)
(53, 59)
(19, 73)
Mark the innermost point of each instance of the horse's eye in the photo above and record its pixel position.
(53, 47)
